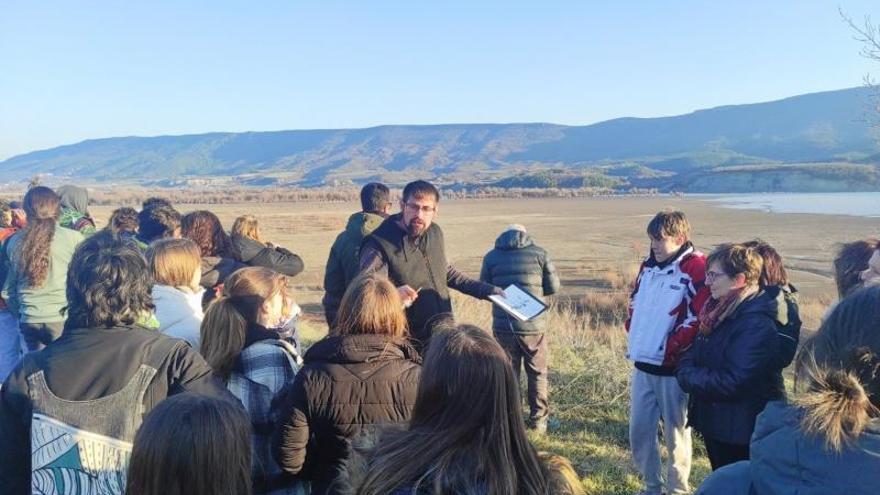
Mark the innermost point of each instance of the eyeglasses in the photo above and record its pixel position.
(712, 276)
(416, 208)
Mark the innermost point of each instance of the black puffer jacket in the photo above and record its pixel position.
(254, 253)
(348, 385)
(731, 373)
(516, 259)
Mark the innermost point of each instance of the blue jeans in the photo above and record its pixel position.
(10, 344)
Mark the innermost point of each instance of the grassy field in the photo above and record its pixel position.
(596, 244)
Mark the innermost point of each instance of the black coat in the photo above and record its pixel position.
(516, 259)
(731, 373)
(253, 253)
(348, 384)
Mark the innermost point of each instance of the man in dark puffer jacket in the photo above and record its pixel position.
(516, 259)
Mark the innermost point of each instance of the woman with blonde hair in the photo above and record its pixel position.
(826, 440)
(362, 375)
(176, 268)
(239, 343)
(252, 250)
(730, 371)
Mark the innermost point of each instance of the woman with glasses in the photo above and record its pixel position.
(730, 372)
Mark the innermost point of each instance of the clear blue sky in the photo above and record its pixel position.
(71, 71)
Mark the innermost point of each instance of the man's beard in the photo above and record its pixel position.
(415, 230)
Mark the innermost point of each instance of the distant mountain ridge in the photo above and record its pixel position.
(819, 127)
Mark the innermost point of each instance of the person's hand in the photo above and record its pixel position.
(498, 291)
(407, 294)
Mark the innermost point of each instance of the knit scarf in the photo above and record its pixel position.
(716, 310)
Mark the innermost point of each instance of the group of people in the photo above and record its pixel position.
(709, 338)
(160, 355)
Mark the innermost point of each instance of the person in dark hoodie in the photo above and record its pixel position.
(88, 391)
(75, 210)
(252, 250)
(730, 371)
(364, 375)
(774, 281)
(342, 264)
(516, 259)
(218, 257)
(827, 440)
(409, 249)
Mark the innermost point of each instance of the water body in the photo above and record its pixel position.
(862, 204)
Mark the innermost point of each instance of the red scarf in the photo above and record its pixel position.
(716, 310)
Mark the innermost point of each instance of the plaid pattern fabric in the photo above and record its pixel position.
(262, 370)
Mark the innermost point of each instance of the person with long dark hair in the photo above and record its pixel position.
(239, 342)
(466, 435)
(38, 258)
(730, 371)
(83, 396)
(364, 374)
(826, 439)
(218, 257)
(192, 444)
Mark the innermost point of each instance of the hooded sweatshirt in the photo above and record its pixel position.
(179, 312)
(516, 259)
(75, 209)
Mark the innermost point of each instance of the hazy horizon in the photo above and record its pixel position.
(77, 72)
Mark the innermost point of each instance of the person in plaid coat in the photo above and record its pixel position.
(240, 342)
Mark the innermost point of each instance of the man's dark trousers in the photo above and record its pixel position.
(530, 351)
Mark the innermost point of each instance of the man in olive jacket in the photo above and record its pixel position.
(516, 259)
(343, 262)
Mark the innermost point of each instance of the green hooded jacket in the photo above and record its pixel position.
(343, 262)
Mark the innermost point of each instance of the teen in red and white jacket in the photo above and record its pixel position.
(663, 310)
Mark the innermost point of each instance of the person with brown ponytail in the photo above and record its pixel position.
(730, 371)
(238, 341)
(38, 258)
(826, 439)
